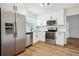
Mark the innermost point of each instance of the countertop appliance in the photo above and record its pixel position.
(12, 32)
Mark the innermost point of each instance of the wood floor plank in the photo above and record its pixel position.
(44, 49)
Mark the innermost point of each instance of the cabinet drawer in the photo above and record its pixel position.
(50, 41)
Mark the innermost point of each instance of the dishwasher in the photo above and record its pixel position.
(29, 39)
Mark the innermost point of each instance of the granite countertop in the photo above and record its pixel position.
(29, 32)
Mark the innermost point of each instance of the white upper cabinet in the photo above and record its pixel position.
(19, 8)
(60, 17)
(56, 15)
(42, 19)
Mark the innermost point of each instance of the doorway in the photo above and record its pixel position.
(72, 26)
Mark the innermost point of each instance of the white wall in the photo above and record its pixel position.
(67, 29)
(71, 11)
(73, 26)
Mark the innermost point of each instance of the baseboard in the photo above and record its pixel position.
(19, 53)
(72, 38)
(28, 45)
(41, 41)
(35, 42)
(38, 42)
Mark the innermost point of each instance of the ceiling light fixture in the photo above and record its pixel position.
(45, 5)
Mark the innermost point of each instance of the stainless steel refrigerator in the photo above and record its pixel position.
(12, 36)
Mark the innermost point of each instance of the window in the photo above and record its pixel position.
(30, 23)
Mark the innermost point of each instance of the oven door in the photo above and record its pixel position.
(50, 38)
(50, 35)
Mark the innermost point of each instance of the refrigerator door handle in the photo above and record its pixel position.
(15, 32)
(14, 29)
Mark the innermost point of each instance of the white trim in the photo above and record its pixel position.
(72, 11)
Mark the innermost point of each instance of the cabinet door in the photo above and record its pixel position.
(35, 37)
(60, 38)
(41, 36)
(60, 17)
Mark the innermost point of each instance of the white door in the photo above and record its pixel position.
(67, 28)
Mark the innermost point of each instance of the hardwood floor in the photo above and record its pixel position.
(44, 49)
(73, 43)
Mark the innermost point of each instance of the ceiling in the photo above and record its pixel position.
(37, 9)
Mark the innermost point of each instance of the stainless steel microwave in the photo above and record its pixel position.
(51, 23)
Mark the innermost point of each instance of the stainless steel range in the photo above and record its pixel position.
(50, 34)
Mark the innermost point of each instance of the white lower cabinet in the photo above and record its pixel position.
(60, 37)
(38, 36)
(35, 37)
(41, 36)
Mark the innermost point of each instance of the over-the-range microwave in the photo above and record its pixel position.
(51, 23)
